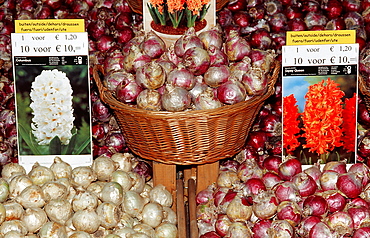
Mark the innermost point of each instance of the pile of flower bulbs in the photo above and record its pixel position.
(197, 72)
(282, 199)
(106, 199)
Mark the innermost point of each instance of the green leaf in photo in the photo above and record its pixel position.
(83, 140)
(26, 136)
(55, 147)
(84, 146)
(72, 143)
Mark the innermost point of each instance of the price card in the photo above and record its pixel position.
(51, 74)
(320, 59)
(319, 85)
(50, 44)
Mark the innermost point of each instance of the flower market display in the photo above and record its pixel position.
(191, 76)
(258, 193)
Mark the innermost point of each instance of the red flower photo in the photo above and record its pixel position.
(325, 126)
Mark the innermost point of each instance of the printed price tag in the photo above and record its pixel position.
(320, 59)
(52, 85)
(50, 44)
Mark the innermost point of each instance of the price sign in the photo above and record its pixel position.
(51, 75)
(50, 44)
(320, 59)
(315, 80)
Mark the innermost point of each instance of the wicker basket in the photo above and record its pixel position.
(137, 5)
(186, 138)
(365, 91)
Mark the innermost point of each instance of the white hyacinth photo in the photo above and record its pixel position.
(53, 110)
(51, 104)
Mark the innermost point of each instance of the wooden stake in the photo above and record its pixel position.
(192, 209)
(181, 217)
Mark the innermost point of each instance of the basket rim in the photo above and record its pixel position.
(108, 98)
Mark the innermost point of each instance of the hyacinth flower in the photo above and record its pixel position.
(290, 124)
(51, 102)
(349, 123)
(322, 117)
(157, 11)
(195, 9)
(175, 10)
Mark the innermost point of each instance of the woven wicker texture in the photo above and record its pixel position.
(137, 5)
(186, 138)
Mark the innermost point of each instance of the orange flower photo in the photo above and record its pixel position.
(319, 118)
(175, 12)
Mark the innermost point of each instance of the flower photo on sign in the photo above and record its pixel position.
(51, 104)
(176, 12)
(319, 118)
(52, 110)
